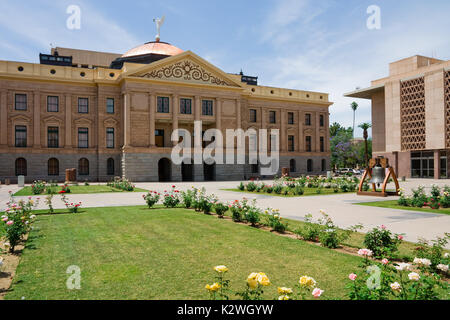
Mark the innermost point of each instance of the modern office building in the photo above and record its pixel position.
(112, 115)
(411, 116)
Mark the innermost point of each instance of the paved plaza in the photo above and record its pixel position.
(341, 207)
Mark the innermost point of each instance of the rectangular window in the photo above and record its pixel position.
(53, 137)
(110, 137)
(290, 118)
(252, 115)
(185, 106)
(322, 144)
(52, 104)
(291, 145)
(21, 136)
(308, 143)
(272, 117)
(207, 107)
(83, 105)
(83, 138)
(322, 120)
(307, 119)
(159, 138)
(20, 101)
(110, 105)
(163, 105)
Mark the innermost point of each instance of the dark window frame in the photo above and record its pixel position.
(81, 132)
(53, 137)
(109, 106)
(291, 143)
(207, 107)
(290, 118)
(53, 167)
(83, 108)
(322, 144)
(185, 107)
(162, 104)
(309, 165)
(308, 143)
(110, 167)
(307, 119)
(110, 140)
(272, 116)
(322, 120)
(83, 167)
(20, 142)
(22, 169)
(292, 165)
(52, 106)
(253, 115)
(21, 105)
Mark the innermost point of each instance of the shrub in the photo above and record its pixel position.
(241, 186)
(251, 186)
(171, 199)
(298, 190)
(38, 187)
(236, 211)
(275, 221)
(17, 220)
(72, 207)
(188, 197)
(269, 189)
(151, 198)
(434, 251)
(122, 184)
(65, 188)
(382, 242)
(278, 189)
(252, 215)
(260, 186)
(310, 231)
(418, 197)
(220, 209)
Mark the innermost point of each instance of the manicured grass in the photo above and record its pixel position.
(392, 204)
(307, 192)
(26, 191)
(140, 253)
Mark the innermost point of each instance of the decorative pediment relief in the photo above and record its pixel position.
(308, 132)
(83, 121)
(52, 119)
(189, 71)
(110, 122)
(20, 118)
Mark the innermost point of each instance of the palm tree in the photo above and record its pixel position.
(365, 126)
(354, 106)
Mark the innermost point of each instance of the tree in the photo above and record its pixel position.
(354, 106)
(365, 126)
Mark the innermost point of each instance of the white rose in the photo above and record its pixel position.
(414, 276)
(442, 267)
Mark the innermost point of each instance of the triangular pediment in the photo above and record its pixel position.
(186, 67)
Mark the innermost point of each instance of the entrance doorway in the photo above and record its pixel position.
(186, 172)
(209, 172)
(422, 165)
(164, 170)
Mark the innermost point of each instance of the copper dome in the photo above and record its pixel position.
(155, 47)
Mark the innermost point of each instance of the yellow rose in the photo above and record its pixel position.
(307, 281)
(263, 279)
(284, 297)
(214, 287)
(284, 290)
(252, 280)
(221, 269)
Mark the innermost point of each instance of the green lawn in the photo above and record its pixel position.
(26, 191)
(307, 192)
(392, 204)
(140, 253)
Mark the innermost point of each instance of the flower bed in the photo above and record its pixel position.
(438, 198)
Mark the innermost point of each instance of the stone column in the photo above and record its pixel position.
(317, 133)
(68, 98)
(219, 114)
(175, 110)
(283, 135)
(238, 114)
(197, 108)
(152, 112)
(301, 138)
(37, 119)
(327, 132)
(437, 164)
(3, 117)
(127, 119)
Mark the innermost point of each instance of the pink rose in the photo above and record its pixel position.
(385, 261)
(352, 276)
(10, 222)
(383, 227)
(400, 237)
(317, 292)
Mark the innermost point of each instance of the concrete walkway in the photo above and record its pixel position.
(341, 207)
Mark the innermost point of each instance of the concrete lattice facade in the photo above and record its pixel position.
(76, 103)
(411, 117)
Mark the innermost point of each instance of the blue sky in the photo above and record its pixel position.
(321, 45)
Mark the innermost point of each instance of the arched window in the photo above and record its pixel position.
(292, 166)
(324, 165)
(21, 167)
(83, 167)
(110, 167)
(53, 167)
(309, 165)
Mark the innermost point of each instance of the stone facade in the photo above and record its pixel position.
(410, 116)
(141, 132)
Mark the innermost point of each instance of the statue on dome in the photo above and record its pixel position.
(159, 22)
